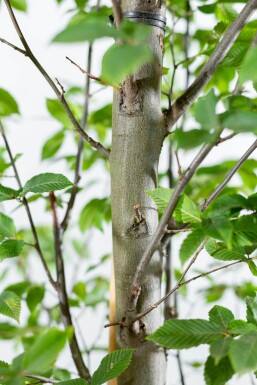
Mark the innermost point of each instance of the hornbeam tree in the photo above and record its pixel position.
(178, 89)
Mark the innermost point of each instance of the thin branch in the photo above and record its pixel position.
(41, 379)
(186, 99)
(231, 173)
(118, 16)
(180, 174)
(93, 77)
(157, 237)
(79, 156)
(61, 87)
(13, 46)
(27, 208)
(225, 138)
(62, 293)
(180, 368)
(29, 53)
(184, 283)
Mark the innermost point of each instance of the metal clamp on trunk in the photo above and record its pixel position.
(154, 19)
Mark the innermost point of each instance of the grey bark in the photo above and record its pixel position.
(138, 133)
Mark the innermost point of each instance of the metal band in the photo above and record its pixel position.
(154, 19)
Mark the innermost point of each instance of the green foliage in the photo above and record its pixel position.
(8, 105)
(191, 244)
(247, 70)
(21, 5)
(184, 334)
(205, 113)
(243, 353)
(217, 374)
(112, 366)
(94, 214)
(45, 183)
(43, 353)
(10, 305)
(119, 61)
(221, 316)
(53, 145)
(11, 248)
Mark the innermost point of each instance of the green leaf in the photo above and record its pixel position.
(241, 121)
(184, 334)
(217, 374)
(46, 182)
(76, 381)
(251, 310)
(119, 61)
(10, 305)
(190, 244)
(80, 290)
(57, 111)
(205, 112)
(192, 138)
(219, 227)
(88, 28)
(53, 145)
(252, 267)
(21, 5)
(7, 228)
(221, 315)
(187, 211)
(161, 196)
(43, 353)
(248, 68)
(10, 248)
(218, 251)
(7, 193)
(8, 105)
(238, 327)
(220, 347)
(94, 214)
(35, 296)
(112, 366)
(243, 353)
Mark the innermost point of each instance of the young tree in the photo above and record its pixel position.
(148, 114)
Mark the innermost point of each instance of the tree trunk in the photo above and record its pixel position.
(138, 133)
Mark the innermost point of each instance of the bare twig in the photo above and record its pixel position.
(93, 77)
(225, 138)
(185, 100)
(180, 368)
(184, 283)
(13, 46)
(61, 87)
(180, 174)
(118, 16)
(29, 53)
(231, 173)
(41, 379)
(62, 293)
(157, 237)
(79, 156)
(27, 208)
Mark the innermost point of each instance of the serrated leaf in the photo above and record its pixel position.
(187, 211)
(221, 315)
(52, 145)
(251, 310)
(112, 366)
(243, 353)
(8, 105)
(161, 196)
(7, 227)
(191, 244)
(217, 374)
(120, 61)
(184, 334)
(241, 121)
(10, 248)
(43, 353)
(45, 183)
(218, 251)
(10, 305)
(220, 347)
(205, 112)
(7, 193)
(238, 327)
